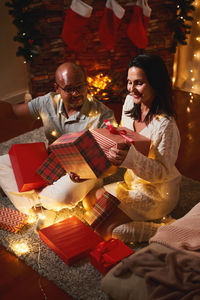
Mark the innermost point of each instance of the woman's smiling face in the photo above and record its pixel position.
(139, 87)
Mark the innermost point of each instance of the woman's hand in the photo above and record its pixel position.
(75, 178)
(118, 154)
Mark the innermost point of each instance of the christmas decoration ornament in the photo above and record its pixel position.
(25, 18)
(74, 28)
(182, 24)
(112, 15)
(137, 29)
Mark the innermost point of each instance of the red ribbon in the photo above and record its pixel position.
(101, 253)
(114, 130)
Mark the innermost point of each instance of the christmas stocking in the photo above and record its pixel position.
(137, 29)
(75, 22)
(113, 13)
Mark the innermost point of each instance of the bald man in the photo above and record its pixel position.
(68, 110)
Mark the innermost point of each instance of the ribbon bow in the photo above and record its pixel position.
(101, 253)
(114, 130)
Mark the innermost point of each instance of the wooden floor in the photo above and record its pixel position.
(19, 280)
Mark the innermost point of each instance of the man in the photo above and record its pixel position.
(69, 109)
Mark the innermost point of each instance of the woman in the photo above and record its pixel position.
(150, 190)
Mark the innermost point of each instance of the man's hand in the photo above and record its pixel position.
(118, 154)
(75, 178)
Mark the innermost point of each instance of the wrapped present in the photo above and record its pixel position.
(86, 153)
(25, 160)
(103, 208)
(81, 154)
(108, 253)
(71, 239)
(111, 136)
(51, 169)
(12, 220)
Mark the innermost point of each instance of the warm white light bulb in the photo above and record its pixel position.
(54, 133)
(20, 248)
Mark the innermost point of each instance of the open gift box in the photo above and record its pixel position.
(85, 153)
(108, 253)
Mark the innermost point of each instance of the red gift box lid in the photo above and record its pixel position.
(71, 239)
(25, 160)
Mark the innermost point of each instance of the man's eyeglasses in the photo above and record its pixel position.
(70, 90)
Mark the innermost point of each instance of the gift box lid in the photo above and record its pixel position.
(71, 239)
(26, 159)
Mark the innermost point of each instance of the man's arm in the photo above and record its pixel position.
(9, 111)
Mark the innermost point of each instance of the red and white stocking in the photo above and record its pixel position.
(76, 19)
(137, 29)
(112, 15)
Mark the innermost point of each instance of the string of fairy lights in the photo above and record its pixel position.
(194, 70)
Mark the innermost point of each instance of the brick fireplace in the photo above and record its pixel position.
(94, 57)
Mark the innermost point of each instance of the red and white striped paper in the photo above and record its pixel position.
(12, 220)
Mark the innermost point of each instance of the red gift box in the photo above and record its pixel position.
(71, 239)
(108, 253)
(81, 154)
(12, 220)
(25, 160)
(51, 170)
(103, 208)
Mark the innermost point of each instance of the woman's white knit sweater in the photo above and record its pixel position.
(151, 184)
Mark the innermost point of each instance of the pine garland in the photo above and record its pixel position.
(183, 22)
(26, 16)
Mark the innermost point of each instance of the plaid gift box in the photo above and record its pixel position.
(51, 170)
(25, 160)
(108, 253)
(71, 239)
(12, 220)
(103, 208)
(81, 154)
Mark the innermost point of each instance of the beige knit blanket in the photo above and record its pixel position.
(183, 234)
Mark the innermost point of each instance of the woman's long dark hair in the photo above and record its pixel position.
(159, 79)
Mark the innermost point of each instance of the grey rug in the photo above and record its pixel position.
(80, 281)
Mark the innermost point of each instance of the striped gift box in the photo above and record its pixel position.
(103, 208)
(106, 139)
(51, 170)
(81, 154)
(12, 220)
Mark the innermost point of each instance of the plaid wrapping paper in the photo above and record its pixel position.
(12, 220)
(51, 170)
(103, 208)
(108, 253)
(81, 154)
